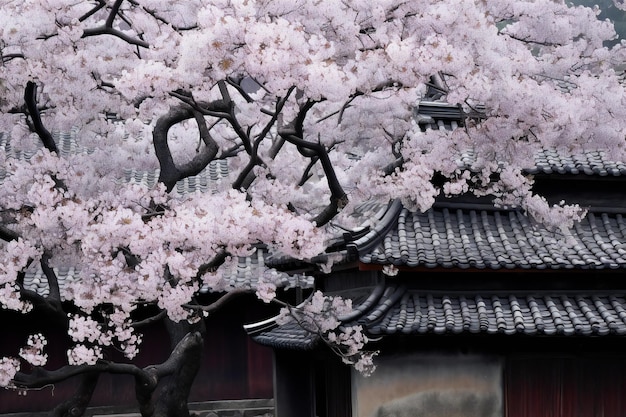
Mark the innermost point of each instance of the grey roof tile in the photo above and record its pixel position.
(206, 181)
(66, 143)
(494, 239)
(287, 336)
(436, 115)
(401, 310)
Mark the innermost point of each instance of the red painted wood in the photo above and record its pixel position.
(233, 366)
(581, 386)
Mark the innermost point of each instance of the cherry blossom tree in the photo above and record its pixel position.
(309, 103)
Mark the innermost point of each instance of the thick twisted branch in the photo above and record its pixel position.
(146, 379)
(170, 174)
(41, 377)
(221, 302)
(293, 133)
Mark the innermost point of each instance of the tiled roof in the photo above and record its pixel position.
(550, 161)
(287, 336)
(589, 163)
(464, 237)
(65, 141)
(436, 115)
(205, 181)
(543, 313)
(396, 310)
(244, 275)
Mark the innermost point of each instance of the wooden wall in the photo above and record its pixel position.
(233, 366)
(566, 386)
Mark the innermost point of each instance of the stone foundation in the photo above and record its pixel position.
(229, 408)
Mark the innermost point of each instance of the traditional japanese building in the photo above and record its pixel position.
(490, 314)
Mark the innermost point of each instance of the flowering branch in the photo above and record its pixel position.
(321, 315)
(108, 29)
(246, 176)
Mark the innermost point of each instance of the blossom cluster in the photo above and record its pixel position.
(8, 368)
(323, 316)
(84, 355)
(33, 351)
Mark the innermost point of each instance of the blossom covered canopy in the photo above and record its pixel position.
(309, 102)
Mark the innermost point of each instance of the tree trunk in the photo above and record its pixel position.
(76, 405)
(173, 395)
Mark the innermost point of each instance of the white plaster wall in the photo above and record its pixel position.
(430, 385)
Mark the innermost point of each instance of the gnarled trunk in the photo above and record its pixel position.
(77, 404)
(173, 393)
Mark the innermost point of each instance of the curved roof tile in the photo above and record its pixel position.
(489, 238)
(401, 311)
(542, 313)
(437, 115)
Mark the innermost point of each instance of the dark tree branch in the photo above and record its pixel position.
(103, 30)
(41, 377)
(213, 265)
(232, 118)
(338, 197)
(114, 11)
(154, 14)
(236, 84)
(307, 172)
(96, 8)
(223, 109)
(170, 173)
(232, 151)
(246, 176)
(108, 29)
(183, 366)
(131, 259)
(530, 41)
(30, 97)
(9, 57)
(54, 295)
(294, 133)
(221, 302)
(203, 156)
(146, 379)
(43, 305)
(389, 169)
(7, 234)
(150, 320)
(39, 302)
(216, 108)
